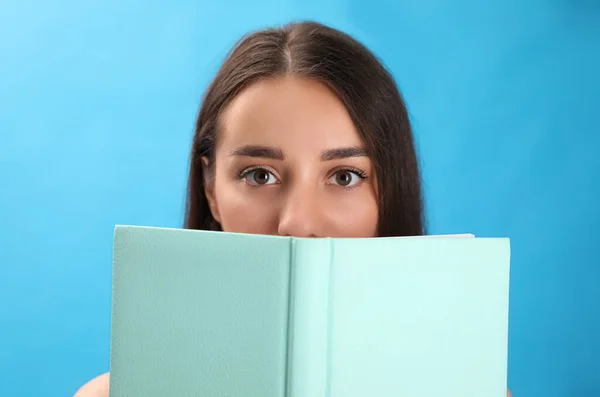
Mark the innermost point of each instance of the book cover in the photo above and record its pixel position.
(199, 313)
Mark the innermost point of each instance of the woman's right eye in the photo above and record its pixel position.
(259, 177)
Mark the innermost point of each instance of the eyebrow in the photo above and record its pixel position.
(264, 152)
(343, 153)
(274, 153)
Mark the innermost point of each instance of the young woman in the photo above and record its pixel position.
(302, 133)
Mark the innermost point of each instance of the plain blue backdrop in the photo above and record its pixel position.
(97, 107)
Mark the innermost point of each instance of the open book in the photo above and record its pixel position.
(214, 314)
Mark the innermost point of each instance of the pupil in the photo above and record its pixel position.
(343, 178)
(261, 177)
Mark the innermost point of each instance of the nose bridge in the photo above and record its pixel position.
(300, 213)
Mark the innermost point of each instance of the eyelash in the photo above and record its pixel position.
(361, 174)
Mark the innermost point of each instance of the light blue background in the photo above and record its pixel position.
(97, 107)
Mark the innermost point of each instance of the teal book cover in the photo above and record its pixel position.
(201, 313)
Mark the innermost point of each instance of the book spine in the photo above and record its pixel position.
(310, 318)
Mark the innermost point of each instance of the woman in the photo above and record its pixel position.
(302, 133)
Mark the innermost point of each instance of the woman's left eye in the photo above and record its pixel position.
(346, 178)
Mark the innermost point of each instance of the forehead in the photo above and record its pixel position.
(299, 115)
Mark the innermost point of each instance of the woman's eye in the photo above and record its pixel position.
(260, 176)
(345, 178)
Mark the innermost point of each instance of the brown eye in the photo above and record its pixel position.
(260, 177)
(343, 178)
(347, 178)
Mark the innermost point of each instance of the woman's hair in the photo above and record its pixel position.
(312, 50)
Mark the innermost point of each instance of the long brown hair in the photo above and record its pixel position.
(367, 89)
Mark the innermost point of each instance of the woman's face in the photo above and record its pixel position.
(290, 162)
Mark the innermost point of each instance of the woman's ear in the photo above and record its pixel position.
(208, 173)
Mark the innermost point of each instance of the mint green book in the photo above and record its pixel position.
(214, 314)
